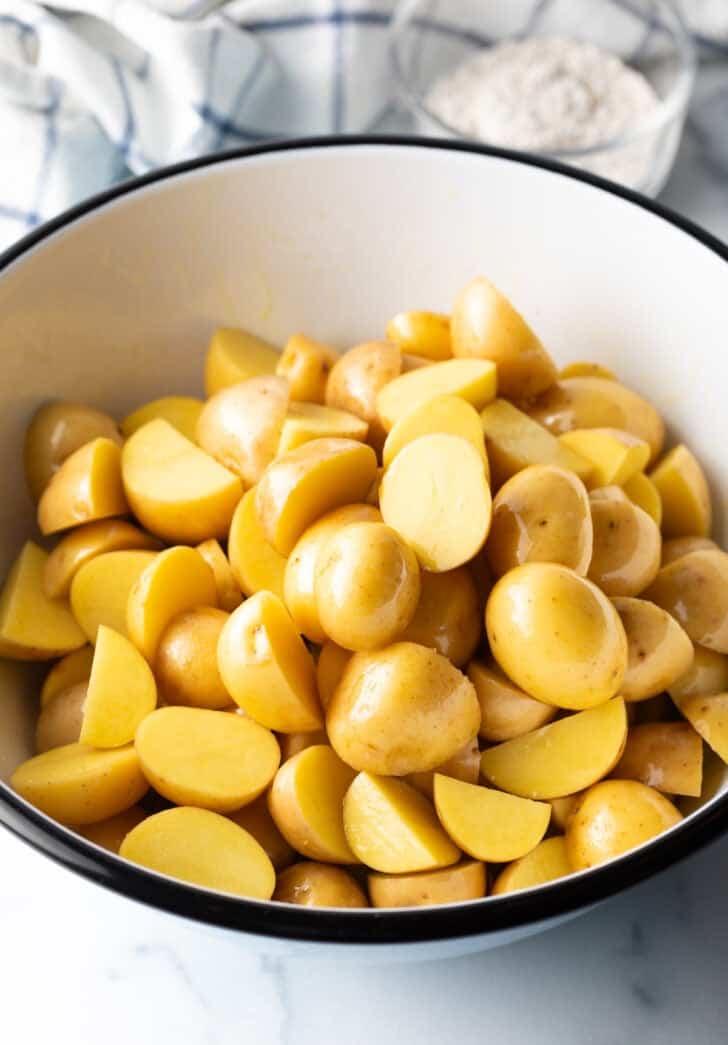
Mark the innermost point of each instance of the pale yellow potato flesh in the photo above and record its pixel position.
(311, 884)
(101, 588)
(547, 862)
(557, 636)
(442, 414)
(694, 590)
(178, 580)
(402, 709)
(87, 486)
(707, 674)
(642, 491)
(665, 755)
(240, 427)
(683, 489)
(464, 881)
(677, 547)
(59, 722)
(121, 692)
(559, 759)
(421, 333)
(473, 380)
(615, 456)
(229, 595)
(257, 821)
(541, 514)
(435, 494)
(485, 324)
(109, 834)
(659, 651)
(464, 765)
(203, 848)
(32, 626)
(306, 365)
(182, 412)
(76, 784)
(306, 802)
(55, 432)
(489, 825)
(356, 379)
(185, 664)
(266, 667)
(614, 817)
(582, 368)
(73, 668)
(208, 759)
(305, 422)
(86, 542)
(514, 441)
(330, 668)
(235, 355)
(255, 563)
(448, 617)
(506, 711)
(708, 715)
(391, 827)
(627, 546)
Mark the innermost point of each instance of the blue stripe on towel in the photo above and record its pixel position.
(128, 133)
(27, 217)
(242, 93)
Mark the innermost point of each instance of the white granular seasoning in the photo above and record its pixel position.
(547, 94)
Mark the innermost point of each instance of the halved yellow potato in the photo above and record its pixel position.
(665, 755)
(448, 617)
(204, 758)
(87, 486)
(203, 848)
(616, 456)
(60, 721)
(258, 822)
(683, 489)
(229, 595)
(642, 491)
(186, 660)
(306, 365)
(32, 626)
(708, 715)
(318, 885)
(356, 379)
(464, 765)
(694, 590)
(100, 590)
(55, 432)
(121, 692)
(79, 785)
(708, 674)
(307, 421)
(109, 834)
(678, 547)
(179, 579)
(182, 412)
(255, 563)
(391, 827)
(659, 651)
(422, 333)
(471, 379)
(506, 711)
(487, 824)
(85, 543)
(514, 441)
(330, 668)
(266, 667)
(175, 489)
(69, 671)
(627, 544)
(465, 881)
(562, 809)
(235, 355)
(581, 368)
(545, 863)
(561, 758)
(448, 414)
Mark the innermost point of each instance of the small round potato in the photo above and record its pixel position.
(86, 487)
(84, 543)
(356, 379)
(557, 636)
(708, 674)
(627, 544)
(318, 885)
(403, 709)
(659, 651)
(423, 333)
(694, 590)
(329, 670)
(545, 863)
(506, 711)
(186, 661)
(677, 547)
(255, 563)
(292, 744)
(464, 765)
(613, 817)
(464, 881)
(541, 514)
(74, 667)
(306, 365)
(257, 821)
(367, 586)
(448, 617)
(56, 431)
(60, 720)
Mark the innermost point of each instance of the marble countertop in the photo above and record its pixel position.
(79, 965)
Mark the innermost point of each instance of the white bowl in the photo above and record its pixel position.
(113, 303)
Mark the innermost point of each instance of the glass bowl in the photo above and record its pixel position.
(430, 38)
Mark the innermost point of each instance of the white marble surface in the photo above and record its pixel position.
(79, 966)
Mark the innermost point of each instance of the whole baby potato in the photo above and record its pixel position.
(448, 617)
(403, 709)
(367, 586)
(186, 661)
(694, 590)
(556, 635)
(356, 379)
(627, 545)
(659, 651)
(311, 884)
(60, 720)
(541, 514)
(56, 431)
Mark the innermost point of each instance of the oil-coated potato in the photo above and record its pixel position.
(683, 489)
(100, 590)
(255, 563)
(593, 402)
(182, 412)
(506, 711)
(59, 722)
(472, 379)
(694, 590)
(436, 495)
(32, 626)
(306, 803)
(318, 885)
(367, 586)
(556, 635)
(642, 491)
(55, 432)
(614, 817)
(616, 456)
(109, 834)
(73, 668)
(186, 660)
(241, 426)
(442, 414)
(562, 809)
(485, 324)
(708, 715)
(234, 356)
(677, 547)
(179, 579)
(87, 486)
(78, 785)
(489, 825)
(204, 758)
(665, 755)
(304, 484)
(707, 674)
(541, 514)
(257, 821)
(391, 827)
(448, 617)
(176, 490)
(659, 651)
(330, 668)
(229, 595)
(402, 709)
(306, 365)
(586, 369)
(464, 881)
(561, 758)
(547, 862)
(308, 421)
(300, 568)
(121, 692)
(627, 545)
(266, 667)
(203, 848)
(422, 333)
(357, 378)
(514, 441)
(464, 765)
(86, 542)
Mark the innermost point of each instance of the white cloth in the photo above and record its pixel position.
(92, 90)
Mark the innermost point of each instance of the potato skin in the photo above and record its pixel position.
(659, 651)
(627, 545)
(506, 711)
(356, 379)
(312, 884)
(186, 661)
(55, 432)
(464, 881)
(448, 617)
(60, 720)
(694, 590)
(665, 755)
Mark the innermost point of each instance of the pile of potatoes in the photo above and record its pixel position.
(405, 625)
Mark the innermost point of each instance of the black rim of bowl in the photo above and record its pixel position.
(374, 926)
